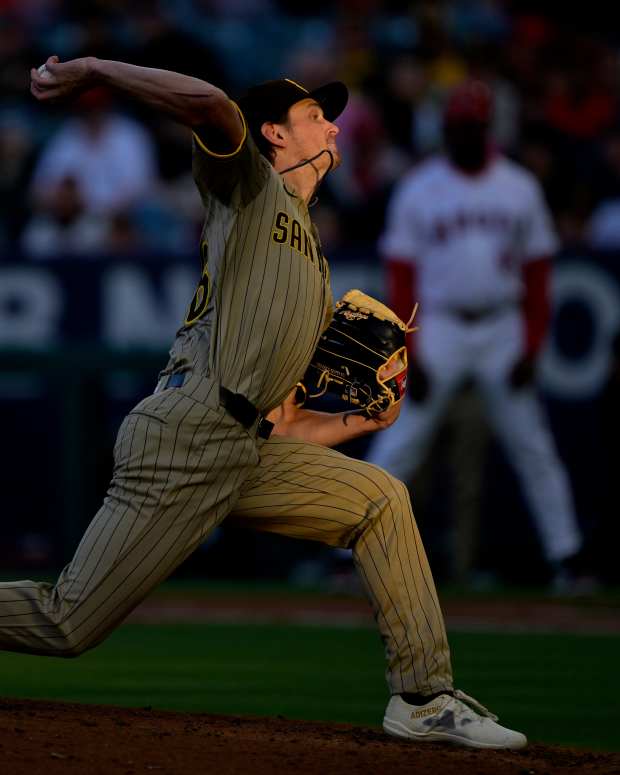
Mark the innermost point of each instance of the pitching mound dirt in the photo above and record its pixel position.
(53, 738)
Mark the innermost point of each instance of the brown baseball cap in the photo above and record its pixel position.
(270, 101)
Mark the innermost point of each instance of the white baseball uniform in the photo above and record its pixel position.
(468, 237)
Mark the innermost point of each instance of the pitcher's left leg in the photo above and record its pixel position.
(308, 491)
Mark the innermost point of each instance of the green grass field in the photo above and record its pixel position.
(558, 688)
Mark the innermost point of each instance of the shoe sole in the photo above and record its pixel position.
(396, 729)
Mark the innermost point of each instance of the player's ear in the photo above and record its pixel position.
(273, 132)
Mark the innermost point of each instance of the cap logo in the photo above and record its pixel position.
(298, 85)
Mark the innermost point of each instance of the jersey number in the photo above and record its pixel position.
(199, 304)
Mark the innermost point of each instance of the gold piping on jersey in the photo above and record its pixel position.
(239, 147)
(298, 85)
(202, 296)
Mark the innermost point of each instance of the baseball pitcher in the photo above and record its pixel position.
(201, 447)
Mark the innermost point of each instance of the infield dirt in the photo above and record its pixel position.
(54, 738)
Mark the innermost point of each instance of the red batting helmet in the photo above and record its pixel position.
(471, 101)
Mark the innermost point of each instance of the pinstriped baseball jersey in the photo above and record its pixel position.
(264, 295)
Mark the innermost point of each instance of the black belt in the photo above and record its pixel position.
(244, 412)
(237, 406)
(477, 314)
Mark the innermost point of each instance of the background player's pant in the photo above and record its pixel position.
(180, 468)
(451, 351)
(308, 491)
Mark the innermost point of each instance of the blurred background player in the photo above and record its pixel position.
(470, 237)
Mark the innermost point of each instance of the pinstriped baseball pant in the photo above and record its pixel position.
(180, 468)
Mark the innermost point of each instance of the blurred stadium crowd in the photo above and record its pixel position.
(102, 177)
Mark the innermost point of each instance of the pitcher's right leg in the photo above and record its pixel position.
(392, 562)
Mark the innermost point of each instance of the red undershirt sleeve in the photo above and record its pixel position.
(536, 304)
(402, 292)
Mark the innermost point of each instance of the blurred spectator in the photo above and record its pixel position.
(536, 152)
(15, 45)
(124, 236)
(159, 43)
(399, 88)
(523, 55)
(564, 193)
(579, 106)
(357, 56)
(469, 235)
(352, 203)
(580, 102)
(17, 152)
(64, 226)
(603, 227)
(370, 167)
(606, 175)
(110, 157)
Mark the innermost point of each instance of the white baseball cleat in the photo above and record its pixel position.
(457, 719)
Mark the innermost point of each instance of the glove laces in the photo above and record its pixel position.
(411, 319)
(474, 704)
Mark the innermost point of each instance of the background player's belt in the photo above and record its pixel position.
(245, 412)
(475, 315)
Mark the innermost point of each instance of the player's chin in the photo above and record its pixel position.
(337, 159)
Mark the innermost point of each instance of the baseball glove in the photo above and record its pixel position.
(361, 356)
